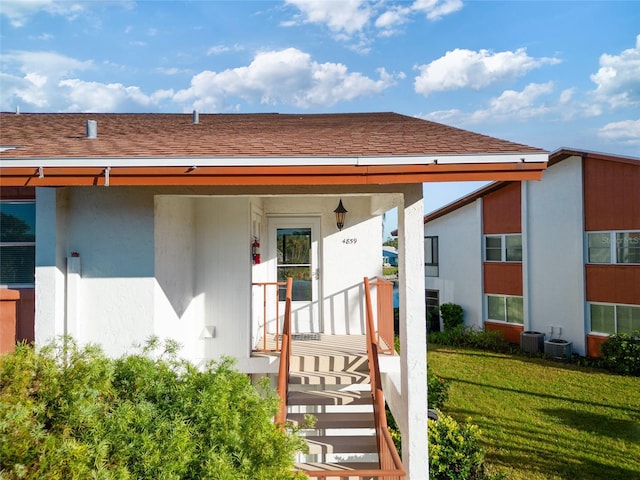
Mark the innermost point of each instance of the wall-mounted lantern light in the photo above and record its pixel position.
(341, 213)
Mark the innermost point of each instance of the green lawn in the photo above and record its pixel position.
(542, 419)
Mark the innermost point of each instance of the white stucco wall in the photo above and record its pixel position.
(460, 255)
(178, 309)
(223, 273)
(556, 256)
(112, 230)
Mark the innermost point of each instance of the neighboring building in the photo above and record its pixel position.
(560, 256)
(389, 256)
(162, 224)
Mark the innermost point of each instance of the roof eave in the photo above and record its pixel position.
(192, 173)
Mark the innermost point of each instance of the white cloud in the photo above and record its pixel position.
(45, 37)
(220, 49)
(393, 17)
(48, 81)
(626, 132)
(436, 9)
(84, 96)
(31, 78)
(511, 105)
(286, 76)
(618, 79)
(463, 68)
(50, 64)
(19, 11)
(347, 18)
(518, 104)
(343, 17)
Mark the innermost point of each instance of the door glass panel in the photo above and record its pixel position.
(294, 260)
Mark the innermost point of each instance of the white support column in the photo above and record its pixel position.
(50, 269)
(413, 333)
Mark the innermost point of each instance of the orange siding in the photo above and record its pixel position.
(8, 300)
(611, 195)
(25, 318)
(593, 345)
(503, 278)
(613, 283)
(501, 210)
(510, 331)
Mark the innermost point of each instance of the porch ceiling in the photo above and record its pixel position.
(252, 149)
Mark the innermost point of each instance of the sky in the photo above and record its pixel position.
(546, 74)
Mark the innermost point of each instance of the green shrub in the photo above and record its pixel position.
(621, 353)
(437, 390)
(454, 450)
(71, 413)
(462, 336)
(452, 315)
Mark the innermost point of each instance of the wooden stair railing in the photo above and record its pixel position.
(384, 302)
(285, 358)
(387, 453)
(265, 286)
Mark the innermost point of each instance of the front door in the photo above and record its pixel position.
(294, 246)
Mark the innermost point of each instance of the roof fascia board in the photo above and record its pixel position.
(272, 161)
(528, 157)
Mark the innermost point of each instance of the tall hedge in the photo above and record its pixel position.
(72, 413)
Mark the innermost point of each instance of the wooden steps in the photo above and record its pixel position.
(335, 389)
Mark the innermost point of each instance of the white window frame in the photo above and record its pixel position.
(615, 316)
(504, 297)
(503, 247)
(613, 247)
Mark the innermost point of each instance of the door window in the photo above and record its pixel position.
(294, 260)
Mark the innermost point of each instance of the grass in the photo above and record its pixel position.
(542, 419)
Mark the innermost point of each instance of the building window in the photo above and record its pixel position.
(17, 243)
(432, 303)
(613, 247)
(431, 256)
(504, 308)
(503, 248)
(611, 319)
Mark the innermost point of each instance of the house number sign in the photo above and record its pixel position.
(349, 241)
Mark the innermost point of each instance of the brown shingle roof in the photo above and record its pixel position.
(240, 135)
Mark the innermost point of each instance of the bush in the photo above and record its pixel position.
(461, 336)
(70, 412)
(454, 451)
(452, 315)
(621, 353)
(437, 390)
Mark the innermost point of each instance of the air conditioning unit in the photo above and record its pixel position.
(532, 342)
(557, 348)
